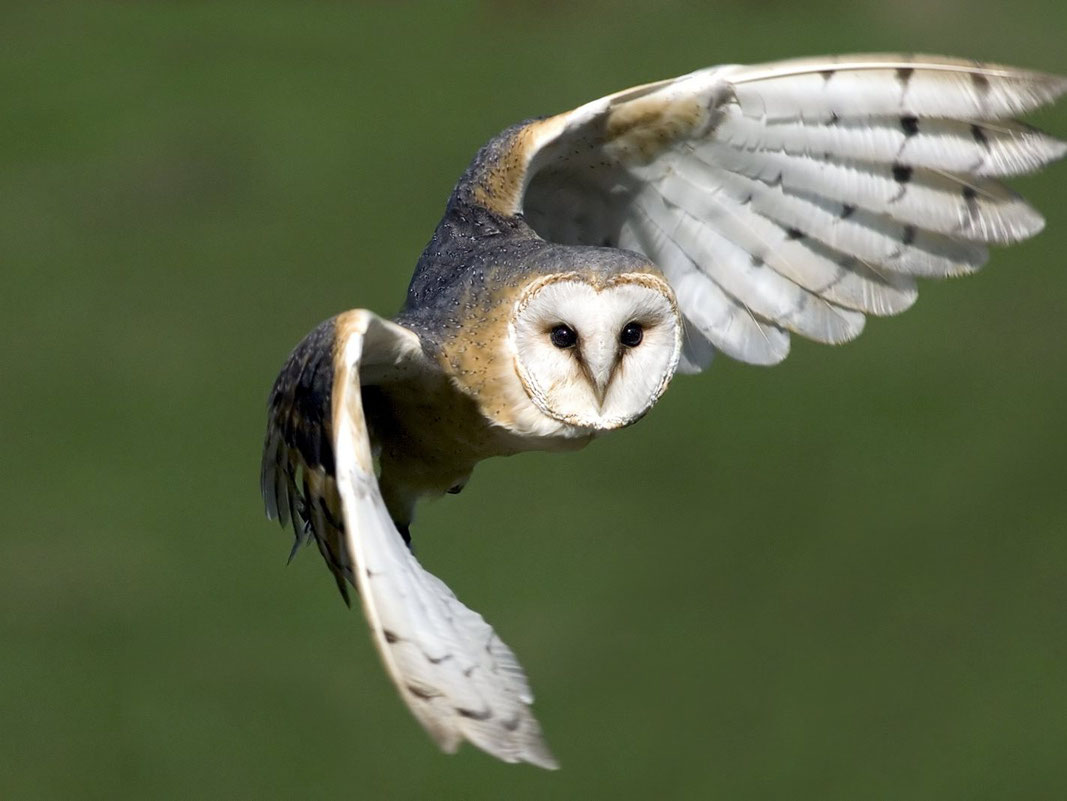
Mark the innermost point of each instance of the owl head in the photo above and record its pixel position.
(594, 348)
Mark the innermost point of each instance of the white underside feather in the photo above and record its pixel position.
(457, 677)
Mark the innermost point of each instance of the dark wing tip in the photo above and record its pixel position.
(296, 475)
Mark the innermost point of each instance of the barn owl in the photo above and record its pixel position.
(586, 257)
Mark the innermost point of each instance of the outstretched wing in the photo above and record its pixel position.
(452, 670)
(795, 196)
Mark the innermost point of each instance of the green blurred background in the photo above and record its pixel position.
(841, 578)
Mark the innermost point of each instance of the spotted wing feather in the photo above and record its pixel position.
(450, 667)
(791, 197)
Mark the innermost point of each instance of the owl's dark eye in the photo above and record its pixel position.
(563, 336)
(632, 334)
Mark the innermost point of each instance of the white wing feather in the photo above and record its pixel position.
(800, 195)
(457, 677)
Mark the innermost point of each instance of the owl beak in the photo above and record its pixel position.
(599, 358)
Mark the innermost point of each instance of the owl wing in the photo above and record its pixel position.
(795, 196)
(452, 670)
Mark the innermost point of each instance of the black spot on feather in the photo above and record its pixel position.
(512, 723)
(970, 197)
(419, 692)
(902, 173)
(910, 125)
(473, 715)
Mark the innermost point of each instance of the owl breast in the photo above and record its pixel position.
(429, 436)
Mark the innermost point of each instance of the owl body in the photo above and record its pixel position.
(581, 260)
(468, 403)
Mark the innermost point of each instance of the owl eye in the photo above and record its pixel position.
(632, 334)
(563, 336)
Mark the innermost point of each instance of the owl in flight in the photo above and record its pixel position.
(583, 259)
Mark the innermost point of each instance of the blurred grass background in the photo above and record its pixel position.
(841, 578)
